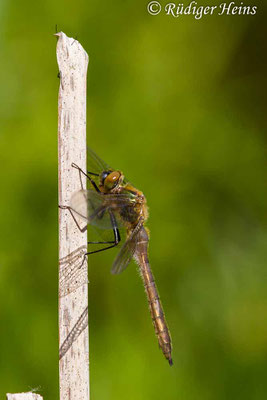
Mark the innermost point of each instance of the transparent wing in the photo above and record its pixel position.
(95, 164)
(73, 271)
(126, 254)
(96, 207)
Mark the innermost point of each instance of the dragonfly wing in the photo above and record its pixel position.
(96, 207)
(86, 204)
(125, 255)
(95, 164)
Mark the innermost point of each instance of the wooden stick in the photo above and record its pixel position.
(23, 396)
(73, 300)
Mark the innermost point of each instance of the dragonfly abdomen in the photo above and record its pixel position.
(159, 321)
(156, 310)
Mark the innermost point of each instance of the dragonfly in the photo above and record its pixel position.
(113, 203)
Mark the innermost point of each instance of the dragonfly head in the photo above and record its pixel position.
(110, 179)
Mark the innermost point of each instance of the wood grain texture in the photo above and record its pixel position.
(72, 62)
(23, 396)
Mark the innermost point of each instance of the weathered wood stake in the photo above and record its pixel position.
(23, 396)
(73, 304)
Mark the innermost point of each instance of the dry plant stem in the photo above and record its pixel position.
(72, 62)
(23, 396)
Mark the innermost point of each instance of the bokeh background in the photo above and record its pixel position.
(180, 106)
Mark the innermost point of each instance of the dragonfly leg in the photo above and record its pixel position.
(73, 216)
(94, 185)
(87, 176)
(112, 243)
(92, 173)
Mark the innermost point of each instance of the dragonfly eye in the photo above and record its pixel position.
(112, 179)
(104, 175)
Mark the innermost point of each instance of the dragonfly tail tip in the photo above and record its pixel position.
(170, 361)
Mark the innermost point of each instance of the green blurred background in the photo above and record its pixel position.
(180, 106)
